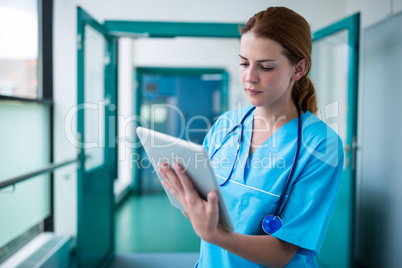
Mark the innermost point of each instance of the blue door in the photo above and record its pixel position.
(96, 106)
(335, 74)
(180, 102)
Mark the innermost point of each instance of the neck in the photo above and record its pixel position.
(275, 116)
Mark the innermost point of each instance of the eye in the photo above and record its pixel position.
(244, 64)
(266, 69)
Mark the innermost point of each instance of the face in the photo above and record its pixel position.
(266, 74)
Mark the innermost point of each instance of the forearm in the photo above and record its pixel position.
(262, 249)
(204, 216)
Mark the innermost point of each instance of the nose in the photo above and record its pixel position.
(252, 75)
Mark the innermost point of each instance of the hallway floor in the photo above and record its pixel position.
(155, 260)
(150, 224)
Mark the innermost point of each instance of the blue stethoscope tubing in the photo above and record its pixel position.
(239, 140)
(272, 222)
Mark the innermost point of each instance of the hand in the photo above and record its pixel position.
(203, 214)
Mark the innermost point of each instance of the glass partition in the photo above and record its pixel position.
(24, 138)
(330, 76)
(94, 98)
(23, 206)
(24, 143)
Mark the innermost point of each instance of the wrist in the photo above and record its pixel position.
(219, 237)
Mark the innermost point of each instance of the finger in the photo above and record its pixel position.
(212, 205)
(162, 172)
(185, 180)
(162, 169)
(172, 190)
(185, 214)
(173, 179)
(191, 196)
(166, 184)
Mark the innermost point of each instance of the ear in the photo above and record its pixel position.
(300, 69)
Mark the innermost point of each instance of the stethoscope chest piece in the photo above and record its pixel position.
(271, 224)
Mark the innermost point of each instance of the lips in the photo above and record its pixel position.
(253, 92)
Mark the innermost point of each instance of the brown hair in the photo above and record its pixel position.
(293, 32)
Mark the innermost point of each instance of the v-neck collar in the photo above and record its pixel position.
(248, 129)
(246, 142)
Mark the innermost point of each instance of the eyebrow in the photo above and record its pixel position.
(244, 58)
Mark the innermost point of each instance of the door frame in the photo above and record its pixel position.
(110, 147)
(352, 24)
(152, 29)
(172, 29)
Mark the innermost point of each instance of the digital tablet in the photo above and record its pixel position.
(162, 148)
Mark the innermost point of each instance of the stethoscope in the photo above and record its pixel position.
(272, 222)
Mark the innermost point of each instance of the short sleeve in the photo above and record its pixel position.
(313, 196)
(207, 139)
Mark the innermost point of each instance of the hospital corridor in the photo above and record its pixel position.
(83, 81)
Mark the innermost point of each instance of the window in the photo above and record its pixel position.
(26, 136)
(19, 41)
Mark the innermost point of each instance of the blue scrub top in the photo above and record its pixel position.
(257, 182)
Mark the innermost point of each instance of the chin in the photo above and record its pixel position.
(255, 102)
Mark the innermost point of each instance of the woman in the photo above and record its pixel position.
(275, 58)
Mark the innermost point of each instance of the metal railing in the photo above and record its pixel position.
(46, 169)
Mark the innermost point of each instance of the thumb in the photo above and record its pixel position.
(212, 205)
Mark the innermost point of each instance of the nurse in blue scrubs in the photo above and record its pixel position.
(275, 58)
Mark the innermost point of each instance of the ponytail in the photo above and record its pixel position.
(303, 94)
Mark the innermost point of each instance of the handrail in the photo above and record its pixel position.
(49, 168)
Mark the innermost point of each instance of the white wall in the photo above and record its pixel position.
(373, 11)
(65, 97)
(125, 111)
(194, 53)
